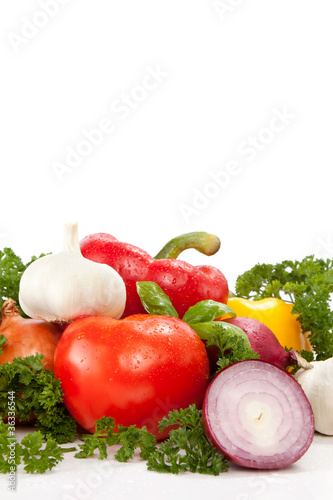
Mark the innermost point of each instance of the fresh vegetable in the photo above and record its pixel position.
(258, 416)
(63, 286)
(183, 283)
(35, 390)
(277, 316)
(35, 393)
(27, 336)
(224, 343)
(308, 285)
(264, 342)
(134, 370)
(317, 384)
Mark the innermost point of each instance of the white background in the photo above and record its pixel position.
(227, 71)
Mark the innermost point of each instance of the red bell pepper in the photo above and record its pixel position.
(184, 283)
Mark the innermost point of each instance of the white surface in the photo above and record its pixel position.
(308, 479)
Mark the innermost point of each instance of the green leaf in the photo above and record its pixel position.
(98, 440)
(187, 448)
(189, 417)
(130, 438)
(308, 285)
(225, 330)
(231, 340)
(154, 299)
(207, 310)
(90, 445)
(37, 393)
(9, 448)
(39, 458)
(3, 341)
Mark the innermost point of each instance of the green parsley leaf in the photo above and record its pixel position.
(39, 458)
(231, 340)
(130, 438)
(308, 285)
(10, 449)
(37, 393)
(187, 448)
(3, 340)
(38, 454)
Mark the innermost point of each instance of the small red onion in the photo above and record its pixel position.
(266, 344)
(257, 415)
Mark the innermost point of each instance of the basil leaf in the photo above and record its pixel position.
(154, 300)
(207, 310)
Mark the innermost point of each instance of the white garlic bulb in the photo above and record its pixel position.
(317, 384)
(63, 286)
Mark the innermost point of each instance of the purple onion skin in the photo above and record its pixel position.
(305, 429)
(264, 342)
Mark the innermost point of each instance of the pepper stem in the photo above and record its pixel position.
(205, 243)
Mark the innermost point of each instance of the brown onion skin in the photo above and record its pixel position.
(27, 336)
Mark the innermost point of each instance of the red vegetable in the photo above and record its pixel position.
(135, 370)
(265, 343)
(27, 336)
(183, 283)
(258, 416)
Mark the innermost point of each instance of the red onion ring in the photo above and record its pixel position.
(257, 415)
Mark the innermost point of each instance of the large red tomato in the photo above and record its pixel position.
(135, 370)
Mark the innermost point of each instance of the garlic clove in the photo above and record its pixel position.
(63, 286)
(318, 386)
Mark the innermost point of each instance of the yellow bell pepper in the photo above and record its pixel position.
(277, 316)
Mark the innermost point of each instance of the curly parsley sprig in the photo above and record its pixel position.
(38, 394)
(187, 448)
(37, 454)
(307, 284)
(130, 438)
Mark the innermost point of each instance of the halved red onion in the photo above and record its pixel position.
(257, 415)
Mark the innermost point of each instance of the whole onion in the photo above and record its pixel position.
(27, 336)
